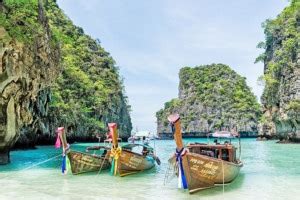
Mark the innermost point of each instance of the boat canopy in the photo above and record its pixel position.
(142, 134)
(130, 146)
(224, 134)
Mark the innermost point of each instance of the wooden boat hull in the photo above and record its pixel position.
(82, 162)
(205, 172)
(204, 167)
(131, 163)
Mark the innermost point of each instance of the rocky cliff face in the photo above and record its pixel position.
(89, 92)
(281, 96)
(27, 67)
(52, 74)
(211, 97)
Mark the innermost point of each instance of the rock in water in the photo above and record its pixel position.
(281, 96)
(211, 97)
(28, 65)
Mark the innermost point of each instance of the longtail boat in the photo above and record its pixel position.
(80, 162)
(200, 165)
(124, 161)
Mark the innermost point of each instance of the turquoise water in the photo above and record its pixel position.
(271, 171)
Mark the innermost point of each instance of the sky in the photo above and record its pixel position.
(150, 40)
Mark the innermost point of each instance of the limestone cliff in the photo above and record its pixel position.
(281, 96)
(28, 64)
(89, 92)
(211, 97)
(53, 74)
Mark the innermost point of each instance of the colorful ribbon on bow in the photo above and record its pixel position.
(58, 142)
(182, 183)
(115, 154)
(64, 165)
(65, 161)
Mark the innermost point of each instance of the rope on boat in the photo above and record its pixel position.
(37, 164)
(167, 173)
(34, 165)
(170, 172)
(105, 158)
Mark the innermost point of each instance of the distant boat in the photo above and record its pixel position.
(202, 166)
(125, 160)
(140, 135)
(81, 162)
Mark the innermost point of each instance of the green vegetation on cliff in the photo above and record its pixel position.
(29, 60)
(212, 97)
(281, 50)
(281, 96)
(20, 19)
(88, 92)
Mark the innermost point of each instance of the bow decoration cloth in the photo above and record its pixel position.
(58, 142)
(182, 183)
(115, 155)
(65, 161)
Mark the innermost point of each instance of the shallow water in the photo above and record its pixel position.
(271, 171)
